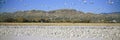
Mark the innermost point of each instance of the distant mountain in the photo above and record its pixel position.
(115, 13)
(65, 11)
(112, 13)
(60, 15)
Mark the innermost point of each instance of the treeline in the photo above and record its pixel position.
(59, 16)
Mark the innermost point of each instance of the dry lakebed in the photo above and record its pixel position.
(37, 32)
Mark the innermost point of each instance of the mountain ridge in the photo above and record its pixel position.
(62, 15)
(60, 10)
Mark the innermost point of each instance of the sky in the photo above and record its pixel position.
(94, 6)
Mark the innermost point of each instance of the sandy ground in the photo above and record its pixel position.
(60, 24)
(59, 32)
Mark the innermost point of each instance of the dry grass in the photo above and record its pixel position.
(60, 24)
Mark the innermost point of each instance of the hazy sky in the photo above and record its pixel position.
(95, 6)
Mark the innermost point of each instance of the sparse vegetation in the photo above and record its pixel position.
(59, 16)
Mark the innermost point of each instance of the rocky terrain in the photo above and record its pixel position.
(59, 32)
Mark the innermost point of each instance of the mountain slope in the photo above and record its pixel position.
(61, 15)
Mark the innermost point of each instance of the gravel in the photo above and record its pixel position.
(59, 32)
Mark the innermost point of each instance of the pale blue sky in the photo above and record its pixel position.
(95, 6)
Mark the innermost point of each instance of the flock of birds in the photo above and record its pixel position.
(2, 2)
(110, 2)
